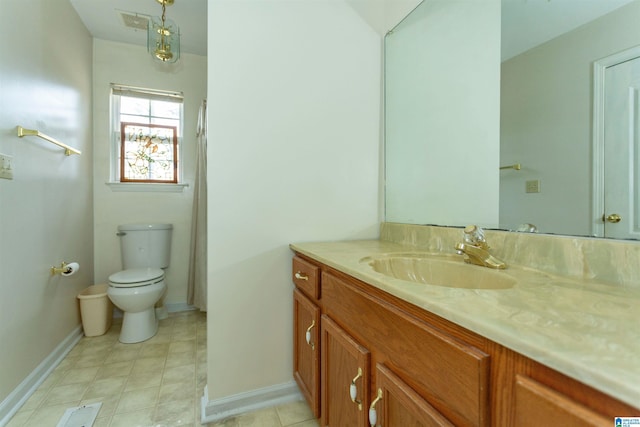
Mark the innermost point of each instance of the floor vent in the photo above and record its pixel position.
(80, 416)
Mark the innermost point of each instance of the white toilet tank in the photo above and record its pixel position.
(145, 245)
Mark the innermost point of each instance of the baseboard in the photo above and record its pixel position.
(179, 306)
(25, 389)
(220, 409)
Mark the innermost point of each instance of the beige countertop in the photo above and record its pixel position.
(585, 330)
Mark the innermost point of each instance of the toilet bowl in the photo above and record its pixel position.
(135, 291)
(145, 250)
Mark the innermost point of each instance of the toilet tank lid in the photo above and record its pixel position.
(138, 227)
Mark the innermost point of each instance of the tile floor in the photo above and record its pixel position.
(296, 414)
(157, 383)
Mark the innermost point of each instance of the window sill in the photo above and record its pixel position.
(148, 187)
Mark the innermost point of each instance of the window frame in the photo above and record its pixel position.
(115, 129)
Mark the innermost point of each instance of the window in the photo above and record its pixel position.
(146, 128)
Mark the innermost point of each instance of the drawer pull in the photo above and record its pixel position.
(373, 415)
(353, 390)
(301, 276)
(308, 335)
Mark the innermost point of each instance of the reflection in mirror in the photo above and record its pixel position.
(546, 120)
(442, 114)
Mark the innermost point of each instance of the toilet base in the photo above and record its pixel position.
(138, 327)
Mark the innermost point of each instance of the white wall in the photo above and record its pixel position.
(547, 124)
(46, 213)
(294, 110)
(443, 114)
(132, 65)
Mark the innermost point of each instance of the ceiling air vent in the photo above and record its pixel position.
(134, 20)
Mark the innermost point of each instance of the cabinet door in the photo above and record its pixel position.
(345, 378)
(398, 405)
(306, 349)
(538, 405)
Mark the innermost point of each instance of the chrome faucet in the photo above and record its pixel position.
(476, 250)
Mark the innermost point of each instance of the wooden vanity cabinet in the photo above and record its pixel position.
(429, 371)
(441, 380)
(346, 387)
(445, 372)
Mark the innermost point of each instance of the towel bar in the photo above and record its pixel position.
(28, 132)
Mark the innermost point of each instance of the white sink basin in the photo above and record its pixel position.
(448, 271)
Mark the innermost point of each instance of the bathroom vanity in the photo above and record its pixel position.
(541, 350)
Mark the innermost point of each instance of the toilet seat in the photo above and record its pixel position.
(135, 277)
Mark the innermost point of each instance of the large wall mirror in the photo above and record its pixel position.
(545, 120)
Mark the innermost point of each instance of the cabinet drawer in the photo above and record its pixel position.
(539, 405)
(306, 277)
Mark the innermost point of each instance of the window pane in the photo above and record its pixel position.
(134, 119)
(165, 109)
(137, 106)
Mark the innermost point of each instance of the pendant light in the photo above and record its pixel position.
(163, 36)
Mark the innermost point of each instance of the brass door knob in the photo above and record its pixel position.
(613, 218)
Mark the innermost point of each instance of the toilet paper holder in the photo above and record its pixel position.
(65, 269)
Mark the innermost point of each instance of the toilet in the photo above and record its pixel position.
(145, 250)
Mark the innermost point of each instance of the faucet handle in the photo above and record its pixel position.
(474, 235)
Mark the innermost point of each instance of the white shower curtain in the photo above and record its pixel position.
(197, 284)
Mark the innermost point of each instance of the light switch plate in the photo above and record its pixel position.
(6, 166)
(533, 186)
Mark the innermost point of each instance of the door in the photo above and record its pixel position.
(345, 378)
(621, 161)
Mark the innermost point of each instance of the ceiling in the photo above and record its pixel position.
(525, 23)
(528, 23)
(103, 19)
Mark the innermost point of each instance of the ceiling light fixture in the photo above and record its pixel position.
(163, 36)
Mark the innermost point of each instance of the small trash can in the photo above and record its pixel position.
(96, 310)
